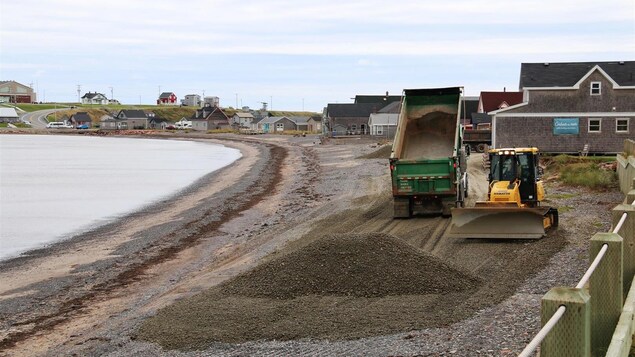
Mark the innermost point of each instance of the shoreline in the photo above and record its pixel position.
(69, 272)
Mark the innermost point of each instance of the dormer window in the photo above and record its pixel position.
(596, 88)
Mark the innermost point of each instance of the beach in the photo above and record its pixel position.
(93, 294)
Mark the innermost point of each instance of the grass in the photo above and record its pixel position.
(582, 171)
(588, 175)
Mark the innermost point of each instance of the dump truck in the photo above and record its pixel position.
(479, 138)
(513, 209)
(428, 162)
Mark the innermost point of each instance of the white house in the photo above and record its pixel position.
(94, 98)
(383, 124)
(8, 115)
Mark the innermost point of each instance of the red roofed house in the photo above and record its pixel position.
(490, 101)
(167, 98)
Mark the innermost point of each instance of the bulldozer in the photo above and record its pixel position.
(513, 208)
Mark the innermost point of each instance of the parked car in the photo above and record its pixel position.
(58, 125)
(170, 127)
(26, 122)
(82, 126)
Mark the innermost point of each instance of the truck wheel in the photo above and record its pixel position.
(466, 187)
(480, 148)
(402, 207)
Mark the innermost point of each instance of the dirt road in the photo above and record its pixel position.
(97, 294)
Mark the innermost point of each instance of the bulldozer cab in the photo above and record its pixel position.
(513, 165)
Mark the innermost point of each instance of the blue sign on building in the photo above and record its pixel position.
(566, 126)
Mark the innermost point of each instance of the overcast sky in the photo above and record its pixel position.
(298, 54)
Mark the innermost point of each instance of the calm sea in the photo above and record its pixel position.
(53, 187)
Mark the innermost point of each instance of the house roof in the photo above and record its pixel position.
(495, 100)
(567, 74)
(469, 106)
(166, 95)
(90, 95)
(316, 117)
(244, 115)
(394, 107)
(299, 120)
(209, 112)
(385, 99)
(8, 113)
(81, 117)
(271, 120)
(133, 113)
(478, 118)
(352, 110)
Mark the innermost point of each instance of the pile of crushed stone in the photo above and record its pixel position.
(359, 265)
(381, 153)
(336, 287)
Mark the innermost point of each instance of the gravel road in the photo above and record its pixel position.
(234, 238)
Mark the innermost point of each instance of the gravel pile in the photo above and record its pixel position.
(360, 265)
(340, 286)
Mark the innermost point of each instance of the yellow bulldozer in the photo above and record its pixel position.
(513, 208)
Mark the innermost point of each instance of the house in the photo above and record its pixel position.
(210, 118)
(80, 118)
(276, 125)
(315, 124)
(569, 106)
(353, 117)
(158, 123)
(94, 98)
(8, 115)
(131, 119)
(14, 92)
(242, 120)
(211, 100)
(192, 100)
(301, 123)
(384, 122)
(107, 122)
(167, 98)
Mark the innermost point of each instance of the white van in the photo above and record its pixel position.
(58, 125)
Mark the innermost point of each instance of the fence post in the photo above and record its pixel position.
(571, 336)
(606, 290)
(628, 235)
(630, 197)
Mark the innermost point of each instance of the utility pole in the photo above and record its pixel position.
(236, 100)
(112, 97)
(270, 102)
(79, 91)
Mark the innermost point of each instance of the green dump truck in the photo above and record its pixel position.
(428, 163)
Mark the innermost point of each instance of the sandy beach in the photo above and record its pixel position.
(119, 289)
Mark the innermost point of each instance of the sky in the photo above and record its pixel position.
(295, 54)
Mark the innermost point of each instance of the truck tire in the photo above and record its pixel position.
(465, 192)
(481, 147)
(402, 207)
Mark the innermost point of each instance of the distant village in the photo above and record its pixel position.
(559, 107)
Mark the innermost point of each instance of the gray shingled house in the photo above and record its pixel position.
(568, 107)
(131, 119)
(210, 118)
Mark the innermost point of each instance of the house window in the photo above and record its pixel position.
(353, 127)
(595, 125)
(380, 129)
(596, 88)
(621, 125)
(279, 126)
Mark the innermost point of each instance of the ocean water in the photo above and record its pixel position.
(53, 187)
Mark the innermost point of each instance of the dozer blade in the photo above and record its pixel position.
(498, 223)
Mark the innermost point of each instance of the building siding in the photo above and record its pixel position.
(512, 129)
